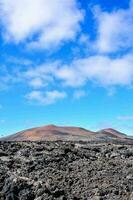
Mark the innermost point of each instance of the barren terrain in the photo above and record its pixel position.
(66, 170)
(65, 133)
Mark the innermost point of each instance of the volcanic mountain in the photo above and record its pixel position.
(54, 133)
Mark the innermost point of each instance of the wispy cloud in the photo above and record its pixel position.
(46, 98)
(39, 76)
(78, 94)
(17, 61)
(101, 70)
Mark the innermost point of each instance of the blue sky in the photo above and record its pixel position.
(66, 62)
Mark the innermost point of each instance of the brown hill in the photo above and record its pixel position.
(109, 132)
(53, 133)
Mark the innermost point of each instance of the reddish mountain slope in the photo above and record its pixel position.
(109, 132)
(53, 133)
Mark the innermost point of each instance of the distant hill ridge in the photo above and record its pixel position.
(53, 133)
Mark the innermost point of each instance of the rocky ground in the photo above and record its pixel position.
(66, 171)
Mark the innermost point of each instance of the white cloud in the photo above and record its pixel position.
(44, 23)
(37, 83)
(115, 29)
(39, 76)
(102, 70)
(46, 98)
(18, 61)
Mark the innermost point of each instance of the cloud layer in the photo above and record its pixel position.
(45, 25)
(100, 70)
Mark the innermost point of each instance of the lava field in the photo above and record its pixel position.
(66, 171)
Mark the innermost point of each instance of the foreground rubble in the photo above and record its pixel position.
(66, 171)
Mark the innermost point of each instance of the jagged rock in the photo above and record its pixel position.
(66, 170)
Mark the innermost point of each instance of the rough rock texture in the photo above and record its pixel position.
(66, 171)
